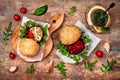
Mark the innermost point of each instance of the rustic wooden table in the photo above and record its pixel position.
(74, 72)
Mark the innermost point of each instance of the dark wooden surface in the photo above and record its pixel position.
(74, 72)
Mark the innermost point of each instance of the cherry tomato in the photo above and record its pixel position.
(12, 55)
(23, 10)
(16, 17)
(30, 35)
(99, 54)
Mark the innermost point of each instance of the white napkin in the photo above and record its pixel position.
(93, 44)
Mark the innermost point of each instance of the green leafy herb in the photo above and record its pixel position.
(30, 23)
(45, 30)
(60, 67)
(104, 29)
(31, 69)
(85, 38)
(42, 41)
(22, 31)
(7, 33)
(89, 65)
(108, 67)
(41, 10)
(72, 10)
(82, 55)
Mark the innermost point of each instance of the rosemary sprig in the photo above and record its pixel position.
(72, 10)
(60, 67)
(31, 69)
(7, 33)
(108, 67)
(89, 65)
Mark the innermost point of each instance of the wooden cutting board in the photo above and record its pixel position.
(55, 23)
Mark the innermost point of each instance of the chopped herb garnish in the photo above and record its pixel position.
(31, 69)
(108, 67)
(72, 10)
(7, 33)
(60, 67)
(89, 65)
(82, 55)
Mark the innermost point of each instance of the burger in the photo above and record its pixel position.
(74, 43)
(29, 39)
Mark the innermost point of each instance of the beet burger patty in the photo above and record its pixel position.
(76, 48)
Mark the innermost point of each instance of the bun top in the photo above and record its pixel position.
(69, 34)
(29, 47)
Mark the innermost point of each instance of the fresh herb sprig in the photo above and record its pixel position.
(60, 66)
(89, 65)
(108, 67)
(45, 28)
(82, 55)
(72, 10)
(31, 69)
(7, 33)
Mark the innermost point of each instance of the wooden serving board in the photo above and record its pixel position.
(55, 23)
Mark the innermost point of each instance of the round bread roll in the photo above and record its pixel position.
(69, 34)
(29, 47)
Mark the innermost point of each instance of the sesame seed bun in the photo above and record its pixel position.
(29, 47)
(69, 34)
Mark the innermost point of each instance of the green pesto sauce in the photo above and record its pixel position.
(99, 18)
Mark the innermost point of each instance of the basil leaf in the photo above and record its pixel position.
(41, 10)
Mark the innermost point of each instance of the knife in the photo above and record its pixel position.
(55, 23)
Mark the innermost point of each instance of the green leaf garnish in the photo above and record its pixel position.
(89, 65)
(45, 28)
(72, 10)
(7, 33)
(31, 69)
(108, 67)
(60, 66)
(41, 10)
(104, 29)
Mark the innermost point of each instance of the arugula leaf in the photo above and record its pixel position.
(42, 41)
(22, 32)
(30, 22)
(45, 28)
(41, 10)
(31, 69)
(60, 67)
(72, 10)
(89, 65)
(7, 33)
(108, 67)
(85, 38)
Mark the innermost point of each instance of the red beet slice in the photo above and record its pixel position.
(76, 48)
